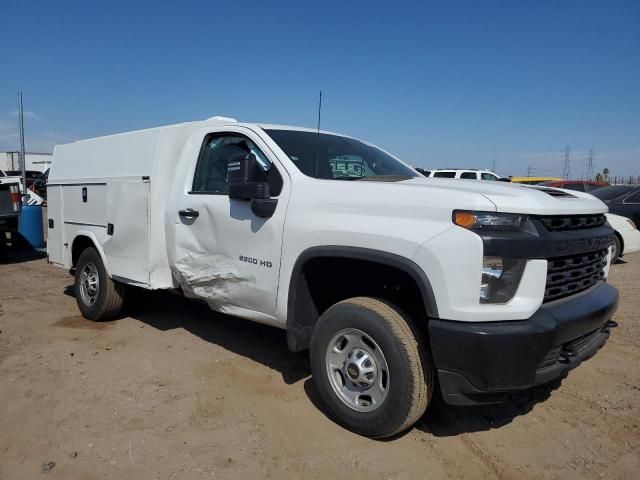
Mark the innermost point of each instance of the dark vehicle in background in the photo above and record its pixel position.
(36, 180)
(577, 185)
(40, 185)
(32, 176)
(622, 200)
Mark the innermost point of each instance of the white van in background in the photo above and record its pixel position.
(469, 174)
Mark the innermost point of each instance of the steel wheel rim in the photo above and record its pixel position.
(89, 284)
(357, 370)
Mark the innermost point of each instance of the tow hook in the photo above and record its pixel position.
(567, 354)
(609, 325)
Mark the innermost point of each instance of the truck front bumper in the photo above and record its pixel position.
(485, 361)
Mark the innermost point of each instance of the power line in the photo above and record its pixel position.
(566, 166)
(590, 164)
(530, 171)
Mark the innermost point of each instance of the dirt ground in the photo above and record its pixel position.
(174, 390)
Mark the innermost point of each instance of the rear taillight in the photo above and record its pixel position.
(14, 192)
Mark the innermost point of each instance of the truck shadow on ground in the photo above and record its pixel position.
(261, 343)
(442, 420)
(10, 256)
(268, 346)
(445, 421)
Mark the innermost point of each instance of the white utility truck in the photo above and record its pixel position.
(396, 283)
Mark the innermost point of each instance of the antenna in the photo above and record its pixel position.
(319, 110)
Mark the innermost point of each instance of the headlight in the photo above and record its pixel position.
(500, 279)
(489, 220)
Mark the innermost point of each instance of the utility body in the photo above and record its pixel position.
(396, 283)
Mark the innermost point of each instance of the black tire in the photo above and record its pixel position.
(110, 294)
(410, 373)
(617, 245)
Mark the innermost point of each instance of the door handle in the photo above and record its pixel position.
(189, 213)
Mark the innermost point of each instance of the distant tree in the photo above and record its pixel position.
(605, 173)
(599, 177)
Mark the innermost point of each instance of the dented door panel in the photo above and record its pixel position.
(226, 255)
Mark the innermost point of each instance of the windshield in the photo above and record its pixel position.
(490, 177)
(326, 156)
(609, 193)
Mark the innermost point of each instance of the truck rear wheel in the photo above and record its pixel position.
(370, 367)
(98, 296)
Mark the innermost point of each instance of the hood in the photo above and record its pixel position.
(516, 198)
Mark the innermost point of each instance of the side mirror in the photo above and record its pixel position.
(248, 181)
(245, 178)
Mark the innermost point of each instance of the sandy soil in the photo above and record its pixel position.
(175, 391)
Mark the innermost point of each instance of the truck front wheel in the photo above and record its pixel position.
(370, 367)
(98, 296)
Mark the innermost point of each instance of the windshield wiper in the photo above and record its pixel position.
(377, 178)
(386, 178)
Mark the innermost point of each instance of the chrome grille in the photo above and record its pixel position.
(573, 274)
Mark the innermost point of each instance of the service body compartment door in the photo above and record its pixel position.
(222, 252)
(83, 209)
(126, 240)
(85, 204)
(55, 225)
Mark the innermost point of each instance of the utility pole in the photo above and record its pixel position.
(566, 166)
(493, 169)
(529, 170)
(23, 157)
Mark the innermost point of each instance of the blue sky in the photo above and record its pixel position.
(439, 84)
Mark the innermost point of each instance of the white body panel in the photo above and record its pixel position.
(138, 182)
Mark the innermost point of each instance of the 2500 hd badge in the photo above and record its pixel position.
(256, 261)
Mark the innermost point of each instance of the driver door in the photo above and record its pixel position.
(224, 253)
